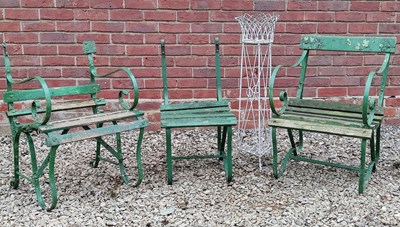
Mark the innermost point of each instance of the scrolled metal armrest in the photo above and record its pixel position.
(283, 96)
(124, 92)
(369, 105)
(36, 103)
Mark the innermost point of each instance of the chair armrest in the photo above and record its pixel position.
(369, 104)
(36, 103)
(123, 92)
(283, 96)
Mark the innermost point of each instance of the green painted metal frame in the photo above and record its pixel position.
(385, 45)
(224, 129)
(55, 140)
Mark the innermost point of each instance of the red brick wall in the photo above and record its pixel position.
(45, 36)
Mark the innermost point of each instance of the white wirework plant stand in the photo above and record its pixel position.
(255, 69)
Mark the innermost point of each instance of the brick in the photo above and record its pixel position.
(58, 61)
(204, 72)
(193, 39)
(301, 28)
(319, 16)
(269, 6)
(206, 27)
(345, 81)
(142, 27)
(110, 49)
(347, 60)
(176, 4)
(107, 4)
(108, 26)
(291, 16)
(205, 94)
(373, 60)
(351, 16)
(180, 93)
(18, 60)
(158, 83)
(127, 38)
(301, 5)
(123, 83)
(359, 71)
(206, 4)
(226, 39)
(390, 6)
(363, 28)
(177, 50)
(237, 5)
(287, 39)
(9, 26)
(226, 61)
(381, 17)
(232, 28)
(193, 16)
(126, 14)
(318, 61)
(75, 26)
(126, 62)
(389, 28)
(98, 38)
(141, 50)
(60, 82)
(71, 4)
(13, 49)
(37, 4)
(192, 83)
(56, 14)
(286, 82)
(143, 4)
(203, 50)
(176, 72)
(224, 16)
(21, 14)
(231, 72)
(328, 28)
(390, 112)
(333, 5)
(190, 62)
(39, 50)
(156, 38)
(149, 61)
(174, 27)
(316, 82)
(91, 14)
(70, 50)
(75, 72)
(38, 26)
(21, 37)
(365, 6)
(57, 37)
(9, 3)
(231, 50)
(332, 92)
(395, 102)
(160, 15)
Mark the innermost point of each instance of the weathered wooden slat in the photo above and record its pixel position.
(63, 105)
(23, 95)
(329, 113)
(89, 119)
(54, 140)
(314, 126)
(206, 115)
(326, 105)
(195, 105)
(345, 43)
(198, 122)
(197, 111)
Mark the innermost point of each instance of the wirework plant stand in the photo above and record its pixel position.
(255, 69)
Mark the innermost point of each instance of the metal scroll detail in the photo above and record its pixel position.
(255, 69)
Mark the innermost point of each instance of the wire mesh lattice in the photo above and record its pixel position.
(255, 69)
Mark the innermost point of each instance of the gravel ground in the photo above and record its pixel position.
(306, 195)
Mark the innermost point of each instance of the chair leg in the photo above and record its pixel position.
(221, 140)
(277, 173)
(95, 162)
(169, 155)
(228, 157)
(139, 158)
(15, 143)
(361, 184)
(292, 142)
(373, 151)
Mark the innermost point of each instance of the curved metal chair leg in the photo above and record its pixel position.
(138, 161)
(277, 173)
(361, 184)
(169, 155)
(228, 158)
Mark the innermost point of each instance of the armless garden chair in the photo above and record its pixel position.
(199, 114)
